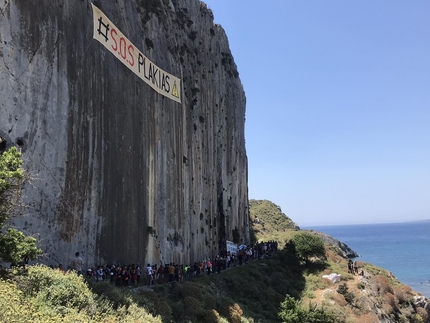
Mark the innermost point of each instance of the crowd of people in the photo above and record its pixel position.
(128, 275)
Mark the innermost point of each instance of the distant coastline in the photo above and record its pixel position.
(308, 227)
(418, 221)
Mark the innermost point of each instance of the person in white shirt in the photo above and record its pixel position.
(149, 274)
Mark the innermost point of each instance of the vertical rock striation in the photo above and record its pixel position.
(123, 174)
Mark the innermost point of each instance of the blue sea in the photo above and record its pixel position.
(402, 248)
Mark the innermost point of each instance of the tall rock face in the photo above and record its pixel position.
(122, 173)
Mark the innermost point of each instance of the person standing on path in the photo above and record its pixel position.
(355, 267)
(149, 274)
(77, 263)
(171, 273)
(350, 267)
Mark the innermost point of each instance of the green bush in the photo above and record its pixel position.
(14, 306)
(54, 296)
(17, 308)
(292, 312)
(134, 314)
(192, 306)
(15, 247)
(343, 289)
(158, 306)
(118, 297)
(58, 291)
(361, 285)
(11, 173)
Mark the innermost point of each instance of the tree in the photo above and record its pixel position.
(292, 312)
(15, 247)
(11, 174)
(308, 245)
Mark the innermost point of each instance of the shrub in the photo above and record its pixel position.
(361, 285)
(387, 309)
(118, 297)
(368, 318)
(158, 305)
(345, 277)
(334, 253)
(134, 314)
(400, 295)
(192, 307)
(403, 294)
(391, 300)
(190, 289)
(17, 308)
(421, 313)
(14, 306)
(177, 310)
(314, 282)
(246, 320)
(53, 296)
(15, 247)
(381, 285)
(209, 302)
(235, 313)
(208, 316)
(217, 318)
(343, 290)
(222, 319)
(11, 173)
(338, 299)
(363, 303)
(57, 291)
(407, 289)
(292, 312)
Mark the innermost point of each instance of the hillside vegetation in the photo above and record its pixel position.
(268, 221)
(284, 287)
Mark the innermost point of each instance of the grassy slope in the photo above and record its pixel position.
(269, 223)
(255, 290)
(249, 293)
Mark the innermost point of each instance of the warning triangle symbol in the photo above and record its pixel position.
(175, 90)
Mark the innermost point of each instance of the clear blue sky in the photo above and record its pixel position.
(338, 106)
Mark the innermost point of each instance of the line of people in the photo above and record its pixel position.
(129, 275)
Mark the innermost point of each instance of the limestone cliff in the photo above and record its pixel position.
(122, 173)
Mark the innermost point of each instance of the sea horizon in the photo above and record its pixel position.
(310, 226)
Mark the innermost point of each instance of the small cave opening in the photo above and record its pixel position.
(2, 144)
(19, 142)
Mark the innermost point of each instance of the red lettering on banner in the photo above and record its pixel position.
(122, 48)
(131, 62)
(112, 31)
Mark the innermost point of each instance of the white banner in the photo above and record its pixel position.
(115, 41)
